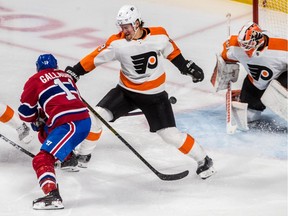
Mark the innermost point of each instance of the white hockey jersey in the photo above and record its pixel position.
(141, 60)
(263, 66)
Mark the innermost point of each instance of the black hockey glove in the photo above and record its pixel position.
(38, 125)
(72, 72)
(191, 69)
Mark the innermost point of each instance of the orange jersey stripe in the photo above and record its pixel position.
(93, 136)
(188, 145)
(88, 61)
(143, 86)
(158, 31)
(175, 53)
(7, 115)
(278, 44)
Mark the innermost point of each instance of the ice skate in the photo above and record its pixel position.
(205, 168)
(52, 201)
(70, 164)
(83, 160)
(23, 133)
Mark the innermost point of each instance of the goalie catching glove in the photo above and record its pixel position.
(191, 69)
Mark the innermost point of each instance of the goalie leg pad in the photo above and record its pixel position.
(275, 98)
(239, 115)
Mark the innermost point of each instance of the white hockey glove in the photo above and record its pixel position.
(224, 73)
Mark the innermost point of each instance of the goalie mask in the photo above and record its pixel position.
(250, 38)
(128, 14)
(46, 61)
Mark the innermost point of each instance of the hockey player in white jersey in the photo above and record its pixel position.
(264, 58)
(9, 118)
(140, 51)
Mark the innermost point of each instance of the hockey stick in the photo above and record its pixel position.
(230, 129)
(16, 146)
(57, 165)
(166, 177)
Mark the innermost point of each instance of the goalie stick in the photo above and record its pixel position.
(162, 176)
(230, 129)
(16, 146)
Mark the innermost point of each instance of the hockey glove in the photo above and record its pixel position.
(38, 125)
(191, 69)
(71, 71)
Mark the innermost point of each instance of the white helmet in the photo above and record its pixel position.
(128, 14)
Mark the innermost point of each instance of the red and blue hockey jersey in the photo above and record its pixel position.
(54, 92)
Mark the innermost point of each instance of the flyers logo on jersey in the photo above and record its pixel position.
(260, 72)
(142, 61)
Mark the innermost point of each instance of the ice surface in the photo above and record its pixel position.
(251, 177)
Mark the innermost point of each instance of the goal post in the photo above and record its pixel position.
(255, 11)
(271, 15)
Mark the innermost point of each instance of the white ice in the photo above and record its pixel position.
(251, 178)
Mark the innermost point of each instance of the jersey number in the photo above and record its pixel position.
(69, 95)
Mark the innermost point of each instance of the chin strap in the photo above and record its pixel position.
(136, 30)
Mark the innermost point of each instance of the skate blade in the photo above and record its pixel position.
(207, 173)
(70, 169)
(82, 165)
(55, 205)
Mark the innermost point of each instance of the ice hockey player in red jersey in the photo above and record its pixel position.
(51, 103)
(265, 60)
(9, 118)
(141, 52)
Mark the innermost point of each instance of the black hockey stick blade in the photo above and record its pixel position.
(16, 146)
(165, 177)
(172, 177)
(162, 176)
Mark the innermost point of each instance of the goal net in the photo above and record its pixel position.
(271, 15)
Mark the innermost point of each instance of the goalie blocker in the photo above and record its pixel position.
(224, 73)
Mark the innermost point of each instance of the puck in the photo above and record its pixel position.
(172, 100)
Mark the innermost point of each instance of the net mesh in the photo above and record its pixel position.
(273, 16)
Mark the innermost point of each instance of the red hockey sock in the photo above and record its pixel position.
(43, 164)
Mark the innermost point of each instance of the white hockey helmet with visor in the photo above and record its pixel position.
(128, 14)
